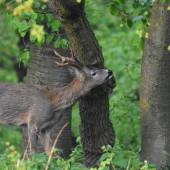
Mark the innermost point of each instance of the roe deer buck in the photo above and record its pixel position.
(39, 107)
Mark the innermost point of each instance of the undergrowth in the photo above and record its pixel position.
(116, 158)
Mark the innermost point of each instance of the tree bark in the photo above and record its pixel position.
(96, 129)
(155, 89)
(42, 70)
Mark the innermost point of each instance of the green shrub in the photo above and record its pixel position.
(117, 158)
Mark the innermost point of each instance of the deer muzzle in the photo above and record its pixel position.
(110, 74)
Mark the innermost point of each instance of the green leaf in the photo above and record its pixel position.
(39, 43)
(40, 18)
(46, 33)
(8, 16)
(113, 9)
(111, 149)
(152, 165)
(23, 33)
(150, 3)
(122, 2)
(103, 157)
(48, 17)
(32, 22)
(130, 23)
(34, 16)
(43, 6)
(109, 8)
(2, 7)
(120, 162)
(55, 25)
(136, 4)
(137, 10)
(15, 23)
(37, 10)
(48, 24)
(118, 6)
(23, 28)
(57, 42)
(119, 153)
(141, 43)
(36, 4)
(143, 2)
(167, 1)
(32, 38)
(25, 58)
(106, 168)
(25, 15)
(64, 43)
(49, 38)
(137, 18)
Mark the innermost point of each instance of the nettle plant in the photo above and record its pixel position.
(27, 16)
(116, 158)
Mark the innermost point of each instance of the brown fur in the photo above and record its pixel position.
(40, 108)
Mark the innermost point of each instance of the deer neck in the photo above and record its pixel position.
(66, 97)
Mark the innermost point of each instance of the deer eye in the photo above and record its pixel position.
(93, 74)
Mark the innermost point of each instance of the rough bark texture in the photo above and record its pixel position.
(96, 129)
(155, 89)
(43, 71)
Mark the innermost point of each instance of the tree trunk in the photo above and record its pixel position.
(96, 129)
(42, 70)
(155, 89)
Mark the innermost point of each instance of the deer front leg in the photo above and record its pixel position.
(33, 131)
(45, 133)
(47, 140)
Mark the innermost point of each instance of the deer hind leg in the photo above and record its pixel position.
(46, 130)
(33, 132)
(47, 140)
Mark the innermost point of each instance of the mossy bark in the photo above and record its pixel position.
(42, 70)
(96, 129)
(155, 89)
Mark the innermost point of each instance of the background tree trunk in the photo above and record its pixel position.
(42, 70)
(96, 129)
(155, 89)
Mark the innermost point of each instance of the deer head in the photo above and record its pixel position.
(89, 75)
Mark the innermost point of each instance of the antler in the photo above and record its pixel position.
(68, 61)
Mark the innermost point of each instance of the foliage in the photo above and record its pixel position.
(8, 38)
(24, 17)
(12, 134)
(10, 160)
(116, 157)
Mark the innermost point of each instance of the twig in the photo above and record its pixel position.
(24, 42)
(55, 144)
(113, 165)
(128, 164)
(166, 152)
(18, 163)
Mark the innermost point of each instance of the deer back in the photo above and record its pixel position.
(20, 104)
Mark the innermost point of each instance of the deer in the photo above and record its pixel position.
(39, 108)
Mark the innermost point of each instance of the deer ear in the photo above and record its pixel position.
(72, 70)
(75, 72)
